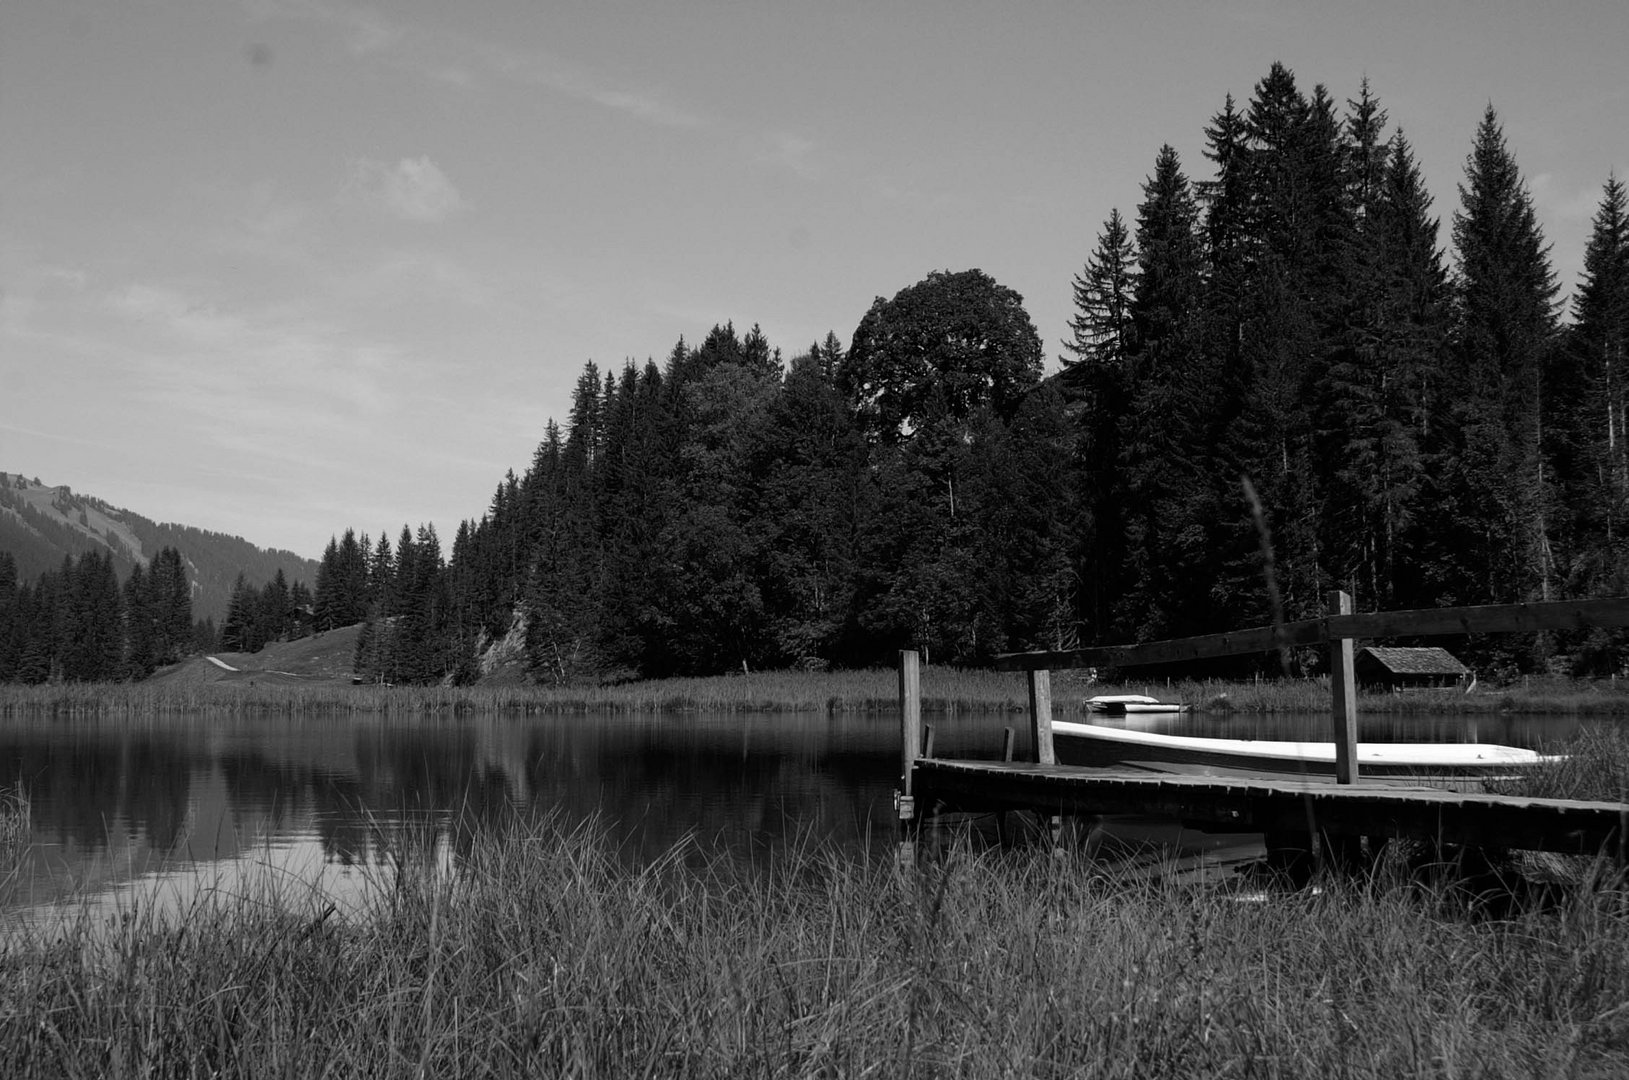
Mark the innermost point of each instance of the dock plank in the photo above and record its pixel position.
(1242, 801)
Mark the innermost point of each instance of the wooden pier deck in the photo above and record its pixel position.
(1278, 806)
(1305, 812)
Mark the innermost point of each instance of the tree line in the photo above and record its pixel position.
(1413, 434)
(80, 624)
(1278, 382)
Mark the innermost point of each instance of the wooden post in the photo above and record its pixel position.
(1040, 726)
(910, 742)
(1343, 694)
(1040, 716)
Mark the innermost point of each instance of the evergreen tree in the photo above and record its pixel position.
(1098, 379)
(1505, 335)
(1592, 440)
(237, 632)
(92, 638)
(1379, 392)
(809, 492)
(1168, 427)
(274, 609)
(139, 627)
(10, 618)
(170, 603)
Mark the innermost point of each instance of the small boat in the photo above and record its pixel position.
(1095, 744)
(1125, 704)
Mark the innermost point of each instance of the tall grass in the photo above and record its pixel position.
(547, 955)
(944, 689)
(16, 824)
(861, 691)
(1593, 764)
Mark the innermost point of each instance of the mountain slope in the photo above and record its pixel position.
(41, 525)
(319, 660)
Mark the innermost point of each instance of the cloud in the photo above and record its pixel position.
(242, 364)
(1552, 196)
(538, 68)
(785, 150)
(454, 59)
(414, 188)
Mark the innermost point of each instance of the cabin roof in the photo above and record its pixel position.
(1426, 660)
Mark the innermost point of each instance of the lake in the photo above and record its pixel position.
(327, 802)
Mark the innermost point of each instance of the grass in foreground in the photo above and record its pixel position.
(547, 955)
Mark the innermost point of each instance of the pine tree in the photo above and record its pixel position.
(1384, 423)
(1098, 382)
(1169, 424)
(139, 627)
(10, 618)
(1505, 335)
(1593, 436)
(807, 508)
(237, 631)
(171, 599)
(1102, 324)
(93, 644)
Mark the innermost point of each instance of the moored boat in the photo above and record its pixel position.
(1097, 744)
(1126, 704)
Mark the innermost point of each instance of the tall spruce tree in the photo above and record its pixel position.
(1383, 390)
(1096, 379)
(1505, 336)
(1593, 402)
(1170, 421)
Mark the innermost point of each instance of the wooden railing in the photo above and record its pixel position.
(1337, 629)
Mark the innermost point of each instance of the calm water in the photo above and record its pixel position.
(119, 806)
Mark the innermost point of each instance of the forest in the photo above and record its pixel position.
(1278, 382)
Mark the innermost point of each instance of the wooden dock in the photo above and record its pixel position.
(1305, 813)
(1278, 807)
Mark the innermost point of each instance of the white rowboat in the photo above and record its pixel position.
(1095, 744)
(1125, 704)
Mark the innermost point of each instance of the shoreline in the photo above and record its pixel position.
(944, 690)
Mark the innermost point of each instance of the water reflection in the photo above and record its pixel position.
(118, 803)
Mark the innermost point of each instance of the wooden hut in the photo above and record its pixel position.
(1388, 668)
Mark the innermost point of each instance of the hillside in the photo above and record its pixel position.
(41, 524)
(320, 660)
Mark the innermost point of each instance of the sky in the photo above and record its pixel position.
(278, 268)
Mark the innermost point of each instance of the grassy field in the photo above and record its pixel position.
(546, 955)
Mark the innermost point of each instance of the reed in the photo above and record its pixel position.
(16, 823)
(862, 691)
(1593, 764)
(945, 690)
(546, 954)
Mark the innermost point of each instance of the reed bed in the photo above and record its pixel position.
(944, 690)
(1593, 764)
(860, 691)
(547, 954)
(16, 824)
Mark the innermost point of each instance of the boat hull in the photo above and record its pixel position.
(1095, 744)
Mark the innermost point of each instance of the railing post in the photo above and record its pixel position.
(1040, 716)
(910, 742)
(1343, 694)
(1040, 727)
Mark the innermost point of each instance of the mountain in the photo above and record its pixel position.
(40, 525)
